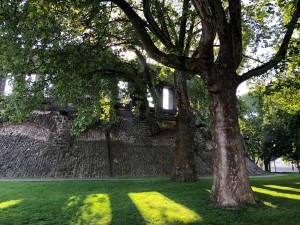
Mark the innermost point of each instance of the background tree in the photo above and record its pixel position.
(273, 118)
(251, 120)
(293, 154)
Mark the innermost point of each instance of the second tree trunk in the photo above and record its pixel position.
(184, 166)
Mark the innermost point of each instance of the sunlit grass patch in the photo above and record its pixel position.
(209, 191)
(9, 203)
(96, 210)
(276, 194)
(282, 188)
(158, 209)
(72, 201)
(269, 204)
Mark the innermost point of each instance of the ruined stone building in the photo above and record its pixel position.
(44, 147)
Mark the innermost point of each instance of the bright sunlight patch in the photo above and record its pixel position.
(96, 210)
(158, 209)
(275, 193)
(72, 201)
(10, 203)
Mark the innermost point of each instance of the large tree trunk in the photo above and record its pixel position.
(231, 186)
(184, 166)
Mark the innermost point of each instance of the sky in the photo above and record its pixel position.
(8, 88)
(242, 89)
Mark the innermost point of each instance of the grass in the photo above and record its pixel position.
(147, 201)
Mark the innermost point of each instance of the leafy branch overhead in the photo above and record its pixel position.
(217, 23)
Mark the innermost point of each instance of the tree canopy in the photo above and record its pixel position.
(73, 52)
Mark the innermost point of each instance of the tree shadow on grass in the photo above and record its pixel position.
(104, 203)
(124, 211)
(139, 203)
(280, 205)
(154, 204)
(32, 210)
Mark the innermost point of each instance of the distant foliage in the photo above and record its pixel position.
(271, 121)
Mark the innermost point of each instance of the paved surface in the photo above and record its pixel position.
(112, 179)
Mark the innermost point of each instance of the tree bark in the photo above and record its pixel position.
(231, 186)
(184, 166)
(298, 166)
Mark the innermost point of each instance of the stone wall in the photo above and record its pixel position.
(43, 147)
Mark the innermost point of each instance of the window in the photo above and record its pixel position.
(166, 98)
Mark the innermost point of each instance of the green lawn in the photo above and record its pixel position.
(148, 201)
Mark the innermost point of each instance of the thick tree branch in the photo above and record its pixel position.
(183, 22)
(235, 23)
(172, 29)
(219, 19)
(206, 56)
(153, 26)
(222, 28)
(189, 37)
(170, 60)
(161, 18)
(281, 53)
